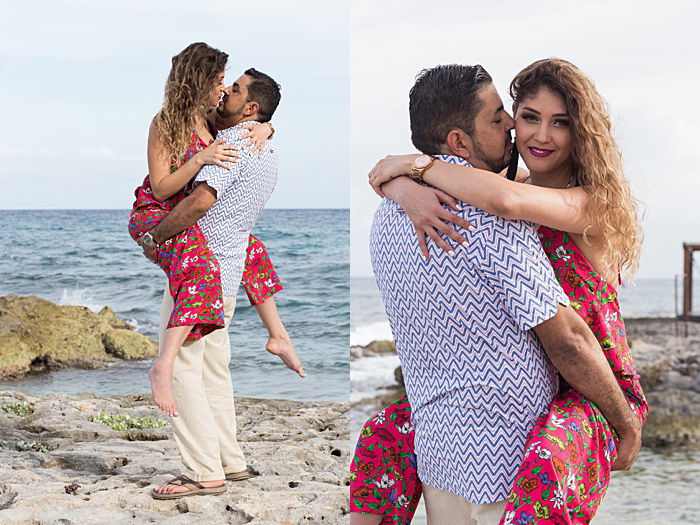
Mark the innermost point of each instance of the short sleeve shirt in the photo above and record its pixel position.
(477, 378)
(241, 195)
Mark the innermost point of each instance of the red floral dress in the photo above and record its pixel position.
(193, 272)
(383, 476)
(566, 469)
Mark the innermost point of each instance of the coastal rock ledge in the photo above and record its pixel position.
(58, 467)
(37, 336)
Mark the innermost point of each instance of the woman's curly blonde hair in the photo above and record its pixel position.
(596, 158)
(193, 76)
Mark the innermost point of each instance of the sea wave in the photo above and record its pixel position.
(365, 334)
(79, 297)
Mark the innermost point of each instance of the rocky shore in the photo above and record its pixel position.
(667, 360)
(39, 336)
(60, 465)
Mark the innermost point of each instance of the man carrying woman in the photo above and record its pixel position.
(463, 320)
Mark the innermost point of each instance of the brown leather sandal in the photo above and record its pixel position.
(239, 476)
(198, 489)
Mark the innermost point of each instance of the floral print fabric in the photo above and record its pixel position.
(570, 451)
(193, 272)
(260, 279)
(383, 476)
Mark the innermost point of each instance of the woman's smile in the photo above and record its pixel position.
(540, 152)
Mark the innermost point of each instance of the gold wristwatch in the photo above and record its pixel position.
(420, 166)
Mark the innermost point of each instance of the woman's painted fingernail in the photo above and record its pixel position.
(451, 253)
(471, 228)
(465, 244)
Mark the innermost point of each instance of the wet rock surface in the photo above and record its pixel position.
(93, 474)
(39, 336)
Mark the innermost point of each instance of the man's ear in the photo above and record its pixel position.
(459, 143)
(251, 108)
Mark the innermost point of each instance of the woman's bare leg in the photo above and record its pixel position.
(279, 343)
(359, 518)
(161, 373)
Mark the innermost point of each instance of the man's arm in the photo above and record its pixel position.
(185, 214)
(575, 352)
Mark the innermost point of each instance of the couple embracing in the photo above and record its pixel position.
(522, 395)
(211, 170)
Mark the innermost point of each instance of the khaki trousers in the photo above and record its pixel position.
(205, 430)
(446, 508)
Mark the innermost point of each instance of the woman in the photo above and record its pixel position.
(180, 142)
(578, 192)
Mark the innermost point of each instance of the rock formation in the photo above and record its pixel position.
(37, 335)
(93, 474)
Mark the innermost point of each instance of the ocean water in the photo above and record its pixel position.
(642, 298)
(661, 489)
(86, 257)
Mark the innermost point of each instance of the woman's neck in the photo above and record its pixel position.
(559, 179)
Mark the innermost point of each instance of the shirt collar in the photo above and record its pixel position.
(453, 159)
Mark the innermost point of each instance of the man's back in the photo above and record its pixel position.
(476, 377)
(242, 194)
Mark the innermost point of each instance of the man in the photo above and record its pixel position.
(473, 328)
(226, 202)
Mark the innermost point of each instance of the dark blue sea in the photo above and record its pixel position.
(86, 257)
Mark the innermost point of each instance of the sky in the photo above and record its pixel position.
(80, 82)
(641, 55)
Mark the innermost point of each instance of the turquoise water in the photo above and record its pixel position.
(86, 257)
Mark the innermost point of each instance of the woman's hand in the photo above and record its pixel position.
(389, 168)
(217, 153)
(258, 135)
(424, 207)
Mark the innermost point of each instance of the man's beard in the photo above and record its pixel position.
(494, 164)
(228, 115)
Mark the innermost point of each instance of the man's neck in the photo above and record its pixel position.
(471, 160)
(224, 123)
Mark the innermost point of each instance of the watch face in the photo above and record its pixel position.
(423, 161)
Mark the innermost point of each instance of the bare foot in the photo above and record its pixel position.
(282, 348)
(170, 488)
(161, 377)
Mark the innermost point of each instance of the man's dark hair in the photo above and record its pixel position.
(265, 91)
(444, 98)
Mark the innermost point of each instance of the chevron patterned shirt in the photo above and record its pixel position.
(476, 376)
(241, 195)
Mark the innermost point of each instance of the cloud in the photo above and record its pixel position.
(105, 152)
(100, 152)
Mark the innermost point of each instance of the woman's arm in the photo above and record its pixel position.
(166, 184)
(563, 209)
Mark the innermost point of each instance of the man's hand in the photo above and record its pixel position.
(628, 446)
(150, 253)
(424, 207)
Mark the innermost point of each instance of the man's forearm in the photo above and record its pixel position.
(587, 371)
(184, 215)
(575, 352)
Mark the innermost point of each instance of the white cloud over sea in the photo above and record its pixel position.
(642, 56)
